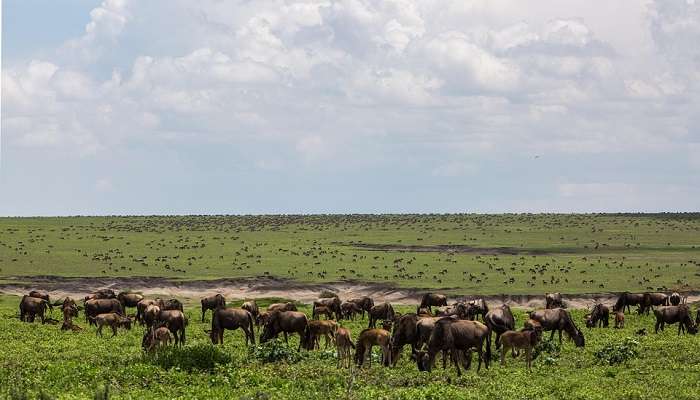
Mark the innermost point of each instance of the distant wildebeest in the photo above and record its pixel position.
(515, 340)
(349, 310)
(627, 299)
(458, 309)
(113, 320)
(619, 320)
(650, 300)
(285, 322)
(432, 299)
(94, 307)
(212, 303)
(231, 319)
(553, 300)
(458, 337)
(30, 307)
(252, 307)
(675, 298)
(129, 300)
(558, 320)
(600, 316)
(175, 321)
(171, 304)
(344, 344)
(365, 303)
(373, 337)
(675, 314)
(288, 306)
(331, 303)
(476, 308)
(382, 311)
(499, 320)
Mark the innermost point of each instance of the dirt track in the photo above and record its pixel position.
(252, 288)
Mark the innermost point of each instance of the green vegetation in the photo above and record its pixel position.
(567, 253)
(40, 359)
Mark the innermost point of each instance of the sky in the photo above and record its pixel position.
(349, 106)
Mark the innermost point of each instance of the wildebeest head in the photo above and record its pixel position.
(422, 360)
(578, 338)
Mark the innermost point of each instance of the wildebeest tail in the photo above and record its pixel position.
(487, 355)
(251, 327)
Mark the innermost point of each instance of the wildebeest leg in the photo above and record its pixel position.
(656, 327)
(479, 352)
(182, 338)
(528, 357)
(504, 349)
(551, 337)
(99, 330)
(114, 330)
(220, 336)
(559, 335)
(285, 338)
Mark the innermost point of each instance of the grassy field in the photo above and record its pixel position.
(39, 360)
(515, 254)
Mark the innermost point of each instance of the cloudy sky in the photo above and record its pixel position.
(133, 107)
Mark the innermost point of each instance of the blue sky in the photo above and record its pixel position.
(172, 107)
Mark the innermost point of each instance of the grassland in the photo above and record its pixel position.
(479, 254)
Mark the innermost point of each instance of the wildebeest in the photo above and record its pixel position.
(288, 306)
(675, 298)
(526, 339)
(365, 303)
(113, 320)
(101, 294)
(316, 329)
(231, 319)
(675, 314)
(156, 337)
(652, 299)
(141, 307)
(150, 316)
(627, 299)
(252, 307)
(175, 321)
(129, 299)
(30, 307)
(619, 320)
(321, 310)
(171, 304)
(499, 320)
(475, 308)
(381, 311)
(285, 322)
(458, 309)
(458, 337)
(432, 299)
(553, 300)
(600, 316)
(405, 333)
(344, 344)
(331, 303)
(212, 303)
(559, 320)
(349, 310)
(94, 307)
(70, 311)
(373, 337)
(42, 295)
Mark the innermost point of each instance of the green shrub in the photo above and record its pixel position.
(618, 353)
(197, 357)
(274, 351)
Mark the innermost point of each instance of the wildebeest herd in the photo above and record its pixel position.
(455, 330)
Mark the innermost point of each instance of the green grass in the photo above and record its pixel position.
(35, 357)
(574, 253)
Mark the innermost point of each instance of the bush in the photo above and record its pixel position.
(274, 351)
(550, 348)
(199, 357)
(618, 353)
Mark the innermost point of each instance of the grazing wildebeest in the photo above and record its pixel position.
(70, 311)
(212, 303)
(150, 316)
(30, 307)
(154, 338)
(675, 298)
(113, 320)
(349, 310)
(600, 316)
(432, 299)
(499, 320)
(231, 319)
(331, 303)
(129, 300)
(526, 339)
(458, 309)
(381, 311)
(344, 344)
(289, 306)
(619, 320)
(405, 333)
(627, 299)
(141, 307)
(531, 325)
(558, 319)
(458, 337)
(652, 299)
(94, 307)
(175, 321)
(321, 310)
(42, 295)
(101, 294)
(553, 300)
(477, 307)
(373, 337)
(365, 303)
(171, 304)
(316, 329)
(262, 318)
(675, 314)
(285, 322)
(252, 307)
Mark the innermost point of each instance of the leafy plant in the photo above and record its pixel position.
(201, 356)
(274, 351)
(618, 353)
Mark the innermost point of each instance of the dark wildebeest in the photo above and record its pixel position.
(627, 299)
(129, 300)
(381, 311)
(652, 299)
(332, 303)
(212, 303)
(499, 320)
(42, 295)
(175, 321)
(458, 309)
(94, 307)
(150, 316)
(697, 318)
(30, 307)
(171, 304)
(288, 306)
(101, 294)
(365, 303)
(373, 337)
(432, 299)
(231, 319)
(600, 316)
(558, 319)
(553, 300)
(285, 322)
(675, 314)
(674, 299)
(458, 337)
(350, 310)
(405, 333)
(477, 307)
(252, 307)
(321, 310)
(141, 307)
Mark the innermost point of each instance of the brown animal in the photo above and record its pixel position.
(458, 337)
(70, 310)
(317, 329)
(289, 306)
(262, 318)
(553, 300)
(499, 320)
(365, 303)
(619, 320)
(42, 295)
(30, 307)
(113, 320)
(331, 304)
(252, 307)
(349, 310)
(476, 308)
(674, 299)
(285, 322)
(516, 340)
(373, 337)
(432, 299)
(405, 333)
(94, 307)
(212, 303)
(532, 324)
(344, 344)
(675, 314)
(232, 319)
(381, 311)
(150, 316)
(175, 321)
(129, 299)
(322, 310)
(154, 338)
(599, 316)
(171, 304)
(650, 300)
(458, 309)
(141, 307)
(424, 312)
(558, 320)
(627, 299)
